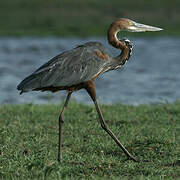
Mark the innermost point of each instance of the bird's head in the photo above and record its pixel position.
(124, 24)
(132, 26)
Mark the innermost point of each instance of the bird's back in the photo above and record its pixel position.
(69, 68)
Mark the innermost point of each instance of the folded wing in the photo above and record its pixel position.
(69, 68)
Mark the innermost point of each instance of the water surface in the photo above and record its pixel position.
(152, 75)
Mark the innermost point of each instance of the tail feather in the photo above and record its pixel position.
(29, 83)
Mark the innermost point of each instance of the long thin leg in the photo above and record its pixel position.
(104, 126)
(61, 120)
(90, 88)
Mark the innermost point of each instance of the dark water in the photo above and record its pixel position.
(152, 74)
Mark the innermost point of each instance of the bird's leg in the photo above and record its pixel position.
(104, 126)
(90, 88)
(61, 120)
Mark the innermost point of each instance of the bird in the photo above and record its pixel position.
(78, 68)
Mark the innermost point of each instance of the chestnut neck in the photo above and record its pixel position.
(112, 37)
(113, 40)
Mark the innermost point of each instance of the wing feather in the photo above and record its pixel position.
(69, 68)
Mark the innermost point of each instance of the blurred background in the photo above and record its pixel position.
(32, 32)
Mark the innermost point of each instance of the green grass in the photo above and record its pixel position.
(29, 137)
(84, 17)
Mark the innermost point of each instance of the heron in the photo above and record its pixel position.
(78, 68)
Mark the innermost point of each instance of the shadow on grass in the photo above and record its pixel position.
(125, 122)
(176, 163)
(149, 150)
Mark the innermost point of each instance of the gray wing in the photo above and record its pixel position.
(69, 68)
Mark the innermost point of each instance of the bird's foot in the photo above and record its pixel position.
(133, 159)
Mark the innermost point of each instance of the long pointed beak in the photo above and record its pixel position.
(137, 27)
